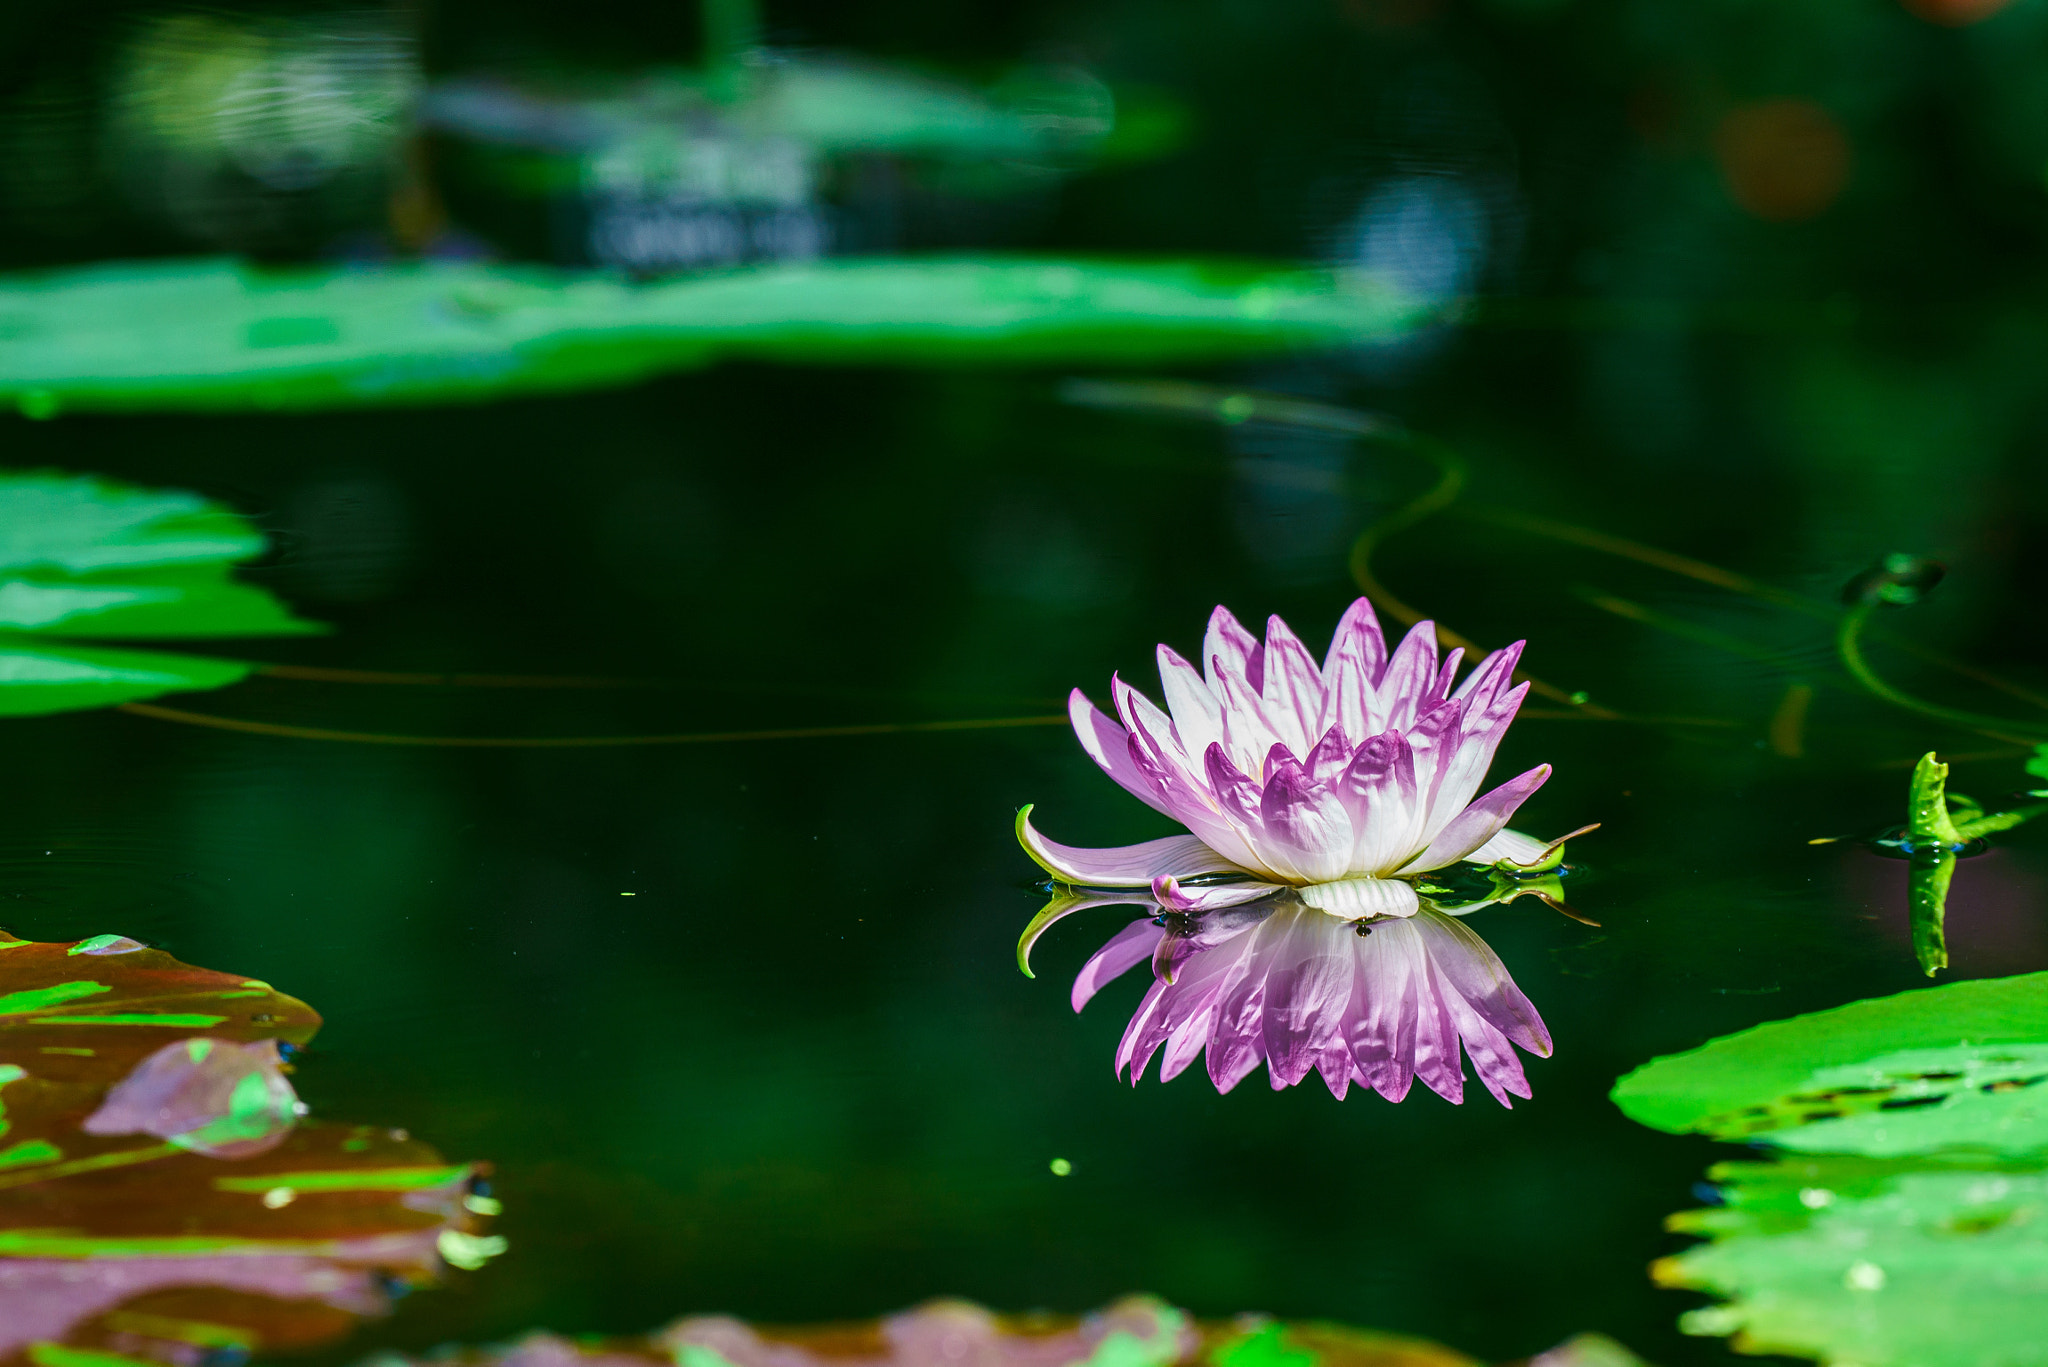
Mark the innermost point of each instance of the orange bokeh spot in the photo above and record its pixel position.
(1954, 13)
(1783, 160)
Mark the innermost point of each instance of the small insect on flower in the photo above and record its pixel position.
(1309, 919)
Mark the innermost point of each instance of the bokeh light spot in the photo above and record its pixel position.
(1782, 160)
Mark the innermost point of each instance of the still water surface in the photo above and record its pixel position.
(740, 1023)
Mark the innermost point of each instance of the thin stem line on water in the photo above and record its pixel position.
(1234, 407)
(1849, 645)
(1705, 573)
(264, 728)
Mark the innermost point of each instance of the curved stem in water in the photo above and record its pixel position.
(264, 728)
(1849, 645)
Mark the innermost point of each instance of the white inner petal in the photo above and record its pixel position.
(1351, 898)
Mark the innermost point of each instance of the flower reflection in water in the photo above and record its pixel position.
(1309, 920)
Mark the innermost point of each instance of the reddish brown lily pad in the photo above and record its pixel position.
(149, 1243)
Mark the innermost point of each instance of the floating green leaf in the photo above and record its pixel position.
(1962, 1064)
(82, 557)
(1916, 1262)
(214, 334)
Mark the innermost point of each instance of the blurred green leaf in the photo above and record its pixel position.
(1937, 1261)
(2038, 765)
(1961, 1064)
(38, 677)
(87, 557)
(213, 334)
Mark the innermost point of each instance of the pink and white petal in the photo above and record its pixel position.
(1478, 823)
(1469, 965)
(1404, 687)
(1383, 1007)
(1184, 1046)
(1380, 792)
(1448, 671)
(1464, 768)
(1350, 671)
(1306, 995)
(1229, 645)
(1109, 745)
(1170, 894)
(1434, 740)
(1293, 688)
(1358, 636)
(1150, 726)
(1439, 1061)
(1197, 712)
(1123, 952)
(1330, 756)
(1492, 676)
(1305, 831)
(1122, 866)
(1249, 730)
(1493, 1058)
(1512, 846)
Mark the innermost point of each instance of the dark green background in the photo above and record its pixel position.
(796, 1075)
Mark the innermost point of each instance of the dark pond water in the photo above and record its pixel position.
(740, 1024)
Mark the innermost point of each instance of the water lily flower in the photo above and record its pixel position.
(1306, 920)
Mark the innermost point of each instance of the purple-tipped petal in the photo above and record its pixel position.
(1184, 1046)
(1109, 745)
(1197, 712)
(1405, 686)
(1358, 636)
(1125, 950)
(1440, 687)
(1231, 647)
(1490, 679)
(1169, 893)
(1462, 769)
(1293, 688)
(1307, 992)
(1381, 793)
(1235, 793)
(1249, 733)
(1439, 1063)
(1307, 832)
(1123, 866)
(1479, 822)
(1330, 757)
(1471, 967)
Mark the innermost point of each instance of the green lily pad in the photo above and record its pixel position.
(83, 558)
(1935, 1261)
(1964, 1064)
(215, 334)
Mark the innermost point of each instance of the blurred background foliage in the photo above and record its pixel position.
(1755, 283)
